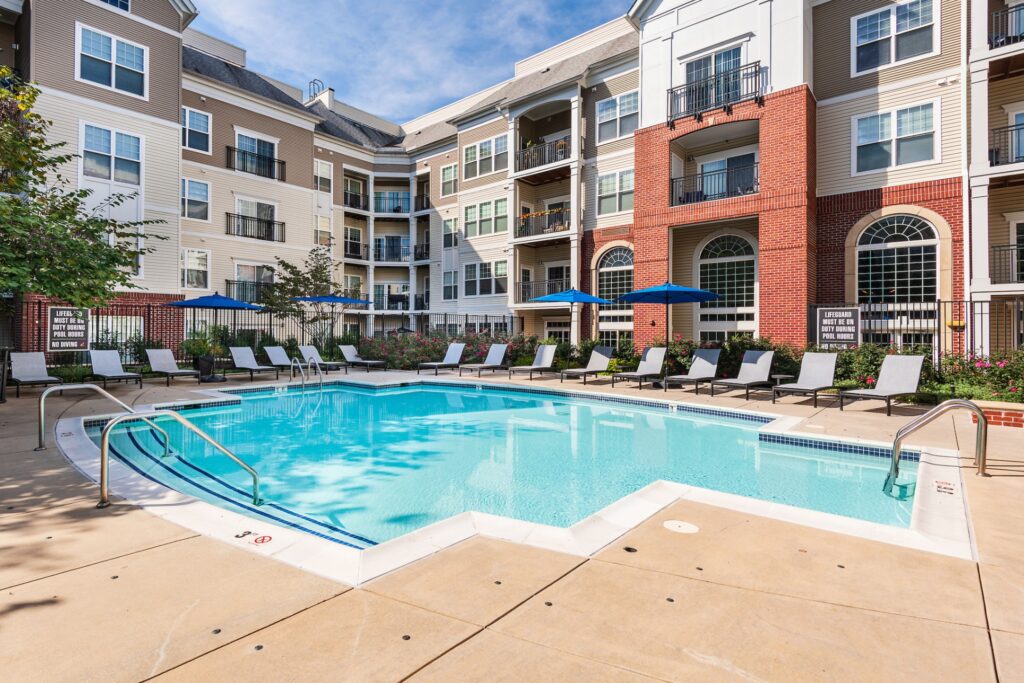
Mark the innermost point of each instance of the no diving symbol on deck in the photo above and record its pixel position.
(260, 540)
(257, 540)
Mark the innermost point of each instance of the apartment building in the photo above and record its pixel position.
(786, 154)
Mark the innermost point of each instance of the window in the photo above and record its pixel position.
(500, 277)
(484, 279)
(323, 172)
(486, 156)
(617, 116)
(880, 144)
(121, 161)
(353, 186)
(615, 192)
(354, 285)
(500, 215)
(615, 278)
(195, 268)
(450, 290)
(559, 330)
(486, 272)
(195, 199)
(119, 4)
(469, 162)
(322, 233)
(354, 243)
(450, 229)
(714, 80)
(727, 266)
(449, 180)
(470, 224)
(469, 280)
(195, 130)
(897, 33)
(111, 62)
(486, 218)
(255, 155)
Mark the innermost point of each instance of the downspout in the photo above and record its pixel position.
(965, 142)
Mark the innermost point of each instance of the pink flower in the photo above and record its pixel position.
(871, 380)
(1001, 364)
(1013, 390)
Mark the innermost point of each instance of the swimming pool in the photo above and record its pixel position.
(360, 465)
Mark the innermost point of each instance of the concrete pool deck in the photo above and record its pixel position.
(124, 595)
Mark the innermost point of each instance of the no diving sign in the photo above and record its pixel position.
(838, 327)
(255, 538)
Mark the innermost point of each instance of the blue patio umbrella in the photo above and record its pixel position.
(666, 295)
(217, 302)
(332, 299)
(571, 296)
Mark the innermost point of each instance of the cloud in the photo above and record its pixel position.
(398, 58)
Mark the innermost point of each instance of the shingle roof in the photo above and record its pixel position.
(428, 135)
(235, 76)
(342, 127)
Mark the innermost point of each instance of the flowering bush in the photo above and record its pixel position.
(407, 351)
(998, 377)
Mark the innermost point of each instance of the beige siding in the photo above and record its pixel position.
(692, 167)
(1003, 93)
(832, 48)
(1001, 201)
(591, 96)
(158, 11)
(835, 140)
(591, 172)
(488, 130)
(53, 28)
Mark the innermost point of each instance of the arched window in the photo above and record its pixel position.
(615, 278)
(728, 267)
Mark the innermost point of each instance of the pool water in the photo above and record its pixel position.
(367, 465)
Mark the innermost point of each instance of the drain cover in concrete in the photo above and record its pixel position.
(681, 527)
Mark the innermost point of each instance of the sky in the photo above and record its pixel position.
(398, 59)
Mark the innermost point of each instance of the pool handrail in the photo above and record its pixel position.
(312, 363)
(980, 445)
(103, 392)
(296, 363)
(105, 450)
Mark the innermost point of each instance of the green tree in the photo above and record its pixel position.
(51, 242)
(314, 277)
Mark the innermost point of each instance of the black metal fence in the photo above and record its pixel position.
(703, 187)
(1006, 27)
(720, 90)
(544, 154)
(1006, 145)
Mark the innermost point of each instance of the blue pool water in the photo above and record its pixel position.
(361, 466)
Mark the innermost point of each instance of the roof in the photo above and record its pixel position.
(217, 69)
(339, 126)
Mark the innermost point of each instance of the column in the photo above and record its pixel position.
(978, 239)
(412, 251)
(370, 318)
(575, 253)
(979, 128)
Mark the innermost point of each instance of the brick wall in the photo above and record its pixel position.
(1002, 417)
(593, 242)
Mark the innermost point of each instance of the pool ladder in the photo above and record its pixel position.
(303, 372)
(980, 445)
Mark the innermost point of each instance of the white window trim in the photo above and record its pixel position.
(494, 215)
(316, 229)
(456, 179)
(209, 117)
(492, 278)
(729, 153)
(357, 228)
(597, 123)
(618, 192)
(245, 262)
(445, 285)
(733, 325)
(936, 39)
(209, 269)
(114, 38)
(476, 145)
(140, 188)
(260, 136)
(936, 138)
(316, 174)
(209, 202)
(242, 197)
(1013, 109)
(455, 232)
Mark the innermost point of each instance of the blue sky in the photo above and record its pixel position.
(398, 58)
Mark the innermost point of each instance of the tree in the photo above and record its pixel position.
(51, 242)
(315, 277)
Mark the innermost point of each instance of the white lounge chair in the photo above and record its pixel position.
(543, 361)
(754, 372)
(651, 367)
(899, 376)
(278, 356)
(494, 361)
(451, 359)
(245, 359)
(30, 369)
(703, 368)
(312, 353)
(352, 358)
(107, 366)
(161, 361)
(598, 362)
(817, 373)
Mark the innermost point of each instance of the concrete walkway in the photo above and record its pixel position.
(119, 594)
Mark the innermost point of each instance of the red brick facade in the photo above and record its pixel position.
(594, 242)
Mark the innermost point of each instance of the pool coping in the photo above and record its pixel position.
(940, 521)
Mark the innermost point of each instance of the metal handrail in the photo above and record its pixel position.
(105, 450)
(296, 363)
(311, 363)
(103, 392)
(980, 446)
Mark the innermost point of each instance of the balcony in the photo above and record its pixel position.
(247, 290)
(1006, 264)
(1006, 145)
(544, 154)
(422, 302)
(354, 200)
(422, 202)
(543, 223)
(531, 290)
(356, 250)
(392, 253)
(393, 301)
(391, 202)
(353, 293)
(720, 91)
(257, 164)
(1006, 27)
(421, 252)
(255, 228)
(705, 187)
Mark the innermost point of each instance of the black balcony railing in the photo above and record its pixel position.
(714, 92)
(543, 223)
(391, 202)
(542, 155)
(421, 252)
(422, 302)
(1006, 27)
(704, 187)
(1006, 264)
(531, 290)
(391, 254)
(246, 290)
(251, 162)
(256, 228)
(357, 250)
(1006, 145)
(353, 293)
(391, 302)
(422, 202)
(354, 200)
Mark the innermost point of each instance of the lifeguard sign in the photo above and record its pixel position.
(838, 327)
(68, 329)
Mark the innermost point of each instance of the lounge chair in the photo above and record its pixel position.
(451, 359)
(245, 359)
(754, 371)
(278, 357)
(817, 373)
(543, 361)
(598, 362)
(352, 358)
(161, 361)
(899, 376)
(494, 361)
(703, 369)
(651, 367)
(312, 353)
(30, 369)
(107, 366)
